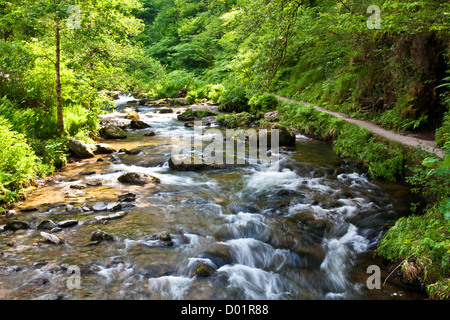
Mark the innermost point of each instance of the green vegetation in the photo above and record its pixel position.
(383, 159)
(56, 78)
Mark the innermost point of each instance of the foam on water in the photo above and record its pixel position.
(169, 287)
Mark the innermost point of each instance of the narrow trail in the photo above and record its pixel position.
(408, 140)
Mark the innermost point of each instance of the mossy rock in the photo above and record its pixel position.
(112, 132)
(204, 270)
(132, 115)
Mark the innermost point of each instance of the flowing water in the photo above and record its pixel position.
(306, 231)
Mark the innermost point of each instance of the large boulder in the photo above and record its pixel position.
(286, 138)
(102, 148)
(111, 131)
(15, 225)
(132, 115)
(186, 116)
(81, 149)
(138, 178)
(99, 236)
(183, 162)
(138, 125)
(165, 110)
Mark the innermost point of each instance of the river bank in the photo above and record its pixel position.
(304, 232)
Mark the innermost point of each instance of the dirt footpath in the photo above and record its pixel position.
(408, 140)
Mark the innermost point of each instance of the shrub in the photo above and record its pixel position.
(263, 103)
(176, 80)
(80, 122)
(422, 242)
(18, 163)
(234, 99)
(215, 91)
(192, 97)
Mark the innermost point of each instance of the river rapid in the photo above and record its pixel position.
(305, 231)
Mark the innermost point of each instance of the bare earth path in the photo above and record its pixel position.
(408, 140)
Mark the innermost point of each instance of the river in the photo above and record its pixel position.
(306, 231)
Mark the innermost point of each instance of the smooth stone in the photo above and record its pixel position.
(67, 223)
(46, 225)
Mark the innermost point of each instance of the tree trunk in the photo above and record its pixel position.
(59, 110)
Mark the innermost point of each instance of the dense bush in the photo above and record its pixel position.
(174, 81)
(263, 103)
(19, 165)
(234, 99)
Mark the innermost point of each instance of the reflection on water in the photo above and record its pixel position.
(303, 232)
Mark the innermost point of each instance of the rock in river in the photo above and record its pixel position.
(81, 149)
(67, 223)
(101, 206)
(112, 132)
(52, 238)
(99, 236)
(138, 178)
(46, 225)
(103, 148)
(138, 124)
(15, 225)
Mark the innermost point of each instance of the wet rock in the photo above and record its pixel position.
(87, 173)
(132, 115)
(189, 124)
(104, 149)
(138, 125)
(181, 162)
(114, 216)
(204, 270)
(138, 178)
(150, 134)
(101, 206)
(11, 243)
(114, 206)
(94, 184)
(10, 213)
(46, 225)
(67, 223)
(15, 225)
(164, 236)
(165, 111)
(112, 132)
(127, 197)
(99, 236)
(186, 116)
(77, 186)
(57, 229)
(47, 237)
(80, 149)
(133, 151)
(286, 137)
(86, 208)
